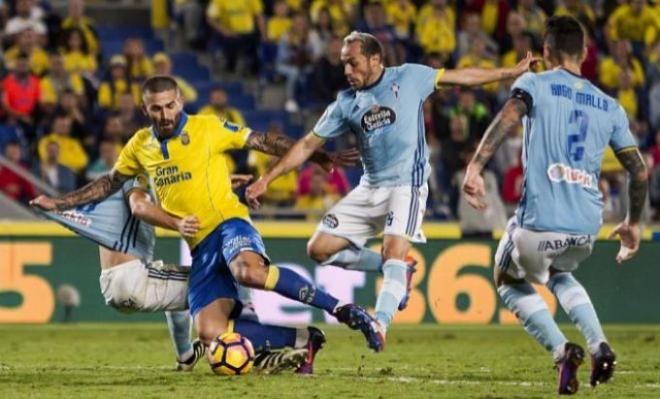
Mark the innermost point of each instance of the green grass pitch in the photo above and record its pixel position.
(122, 361)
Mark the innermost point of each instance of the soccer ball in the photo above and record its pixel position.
(231, 354)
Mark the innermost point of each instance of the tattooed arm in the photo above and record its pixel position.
(633, 162)
(629, 230)
(504, 123)
(278, 145)
(94, 191)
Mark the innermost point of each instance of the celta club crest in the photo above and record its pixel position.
(185, 139)
(395, 89)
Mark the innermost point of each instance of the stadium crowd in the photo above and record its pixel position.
(67, 109)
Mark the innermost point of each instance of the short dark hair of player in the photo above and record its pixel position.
(370, 45)
(564, 36)
(159, 84)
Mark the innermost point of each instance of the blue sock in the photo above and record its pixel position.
(264, 336)
(178, 323)
(576, 303)
(392, 290)
(353, 258)
(290, 284)
(528, 306)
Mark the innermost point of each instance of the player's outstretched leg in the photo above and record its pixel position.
(187, 353)
(528, 306)
(250, 269)
(576, 303)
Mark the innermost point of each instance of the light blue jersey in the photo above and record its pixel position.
(110, 223)
(566, 132)
(388, 121)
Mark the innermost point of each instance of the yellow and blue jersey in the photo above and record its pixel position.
(189, 174)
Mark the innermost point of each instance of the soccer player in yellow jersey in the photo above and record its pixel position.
(182, 155)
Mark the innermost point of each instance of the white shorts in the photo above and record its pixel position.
(138, 287)
(527, 254)
(367, 211)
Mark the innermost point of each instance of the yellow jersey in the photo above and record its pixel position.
(39, 60)
(623, 23)
(188, 170)
(236, 16)
(72, 154)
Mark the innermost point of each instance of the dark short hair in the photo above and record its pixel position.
(369, 44)
(159, 84)
(564, 36)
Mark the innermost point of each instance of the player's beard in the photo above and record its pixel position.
(167, 126)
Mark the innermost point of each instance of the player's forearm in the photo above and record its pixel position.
(476, 76)
(148, 212)
(94, 191)
(638, 185)
(505, 122)
(278, 145)
(299, 153)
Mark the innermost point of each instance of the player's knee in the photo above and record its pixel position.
(207, 334)
(395, 251)
(249, 272)
(316, 252)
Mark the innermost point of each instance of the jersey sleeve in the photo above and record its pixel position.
(332, 123)
(128, 164)
(228, 135)
(621, 135)
(524, 88)
(423, 78)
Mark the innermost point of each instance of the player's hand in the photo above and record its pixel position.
(45, 203)
(188, 226)
(239, 180)
(525, 64)
(474, 188)
(254, 191)
(348, 157)
(630, 235)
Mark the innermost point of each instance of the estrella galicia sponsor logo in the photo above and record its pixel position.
(231, 126)
(573, 241)
(330, 221)
(377, 117)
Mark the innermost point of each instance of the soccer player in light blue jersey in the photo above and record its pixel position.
(132, 281)
(383, 109)
(568, 122)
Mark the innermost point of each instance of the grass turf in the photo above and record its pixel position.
(122, 361)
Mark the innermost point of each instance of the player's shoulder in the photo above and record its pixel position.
(142, 135)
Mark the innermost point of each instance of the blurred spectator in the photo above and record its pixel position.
(21, 94)
(471, 30)
(318, 198)
(27, 43)
(279, 23)
(70, 151)
(336, 181)
(69, 104)
(77, 57)
(76, 19)
(57, 80)
(341, 14)
(577, 9)
(113, 129)
(622, 60)
(533, 16)
(138, 63)
(28, 16)
(189, 13)
(375, 23)
(119, 82)
(435, 28)
(298, 49)
(452, 147)
(324, 27)
(328, 73)
(589, 66)
(475, 223)
(163, 66)
(219, 105)
(476, 113)
(130, 114)
(493, 15)
(107, 157)
(282, 191)
(515, 26)
(403, 14)
(11, 184)
(633, 20)
(512, 186)
(49, 170)
(239, 25)
(627, 96)
(478, 57)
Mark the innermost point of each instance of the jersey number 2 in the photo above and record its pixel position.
(576, 140)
